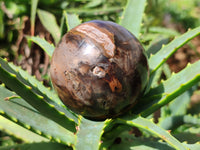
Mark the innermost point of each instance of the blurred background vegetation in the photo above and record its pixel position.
(163, 19)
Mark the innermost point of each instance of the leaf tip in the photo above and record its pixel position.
(186, 142)
(49, 137)
(28, 87)
(3, 85)
(14, 119)
(6, 60)
(163, 45)
(2, 112)
(58, 140)
(35, 85)
(61, 113)
(161, 81)
(27, 126)
(17, 70)
(52, 106)
(40, 97)
(13, 75)
(38, 132)
(173, 73)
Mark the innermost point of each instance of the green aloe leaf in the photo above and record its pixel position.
(168, 90)
(35, 100)
(132, 16)
(72, 20)
(130, 142)
(89, 135)
(111, 132)
(191, 138)
(19, 111)
(194, 146)
(147, 125)
(159, 58)
(48, 20)
(37, 87)
(177, 107)
(37, 146)
(93, 3)
(173, 122)
(156, 45)
(180, 104)
(47, 47)
(19, 132)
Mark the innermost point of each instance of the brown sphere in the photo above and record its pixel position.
(99, 69)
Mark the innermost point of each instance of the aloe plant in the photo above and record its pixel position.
(34, 113)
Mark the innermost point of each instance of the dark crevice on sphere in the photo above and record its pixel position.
(99, 69)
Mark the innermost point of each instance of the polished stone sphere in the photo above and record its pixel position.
(99, 69)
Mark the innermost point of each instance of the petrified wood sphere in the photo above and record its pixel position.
(99, 69)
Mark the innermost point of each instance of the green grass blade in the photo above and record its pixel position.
(34, 4)
(159, 58)
(19, 111)
(2, 24)
(147, 125)
(89, 135)
(93, 3)
(63, 26)
(47, 47)
(168, 90)
(48, 20)
(163, 31)
(37, 146)
(19, 132)
(72, 20)
(37, 87)
(132, 16)
(94, 12)
(36, 100)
